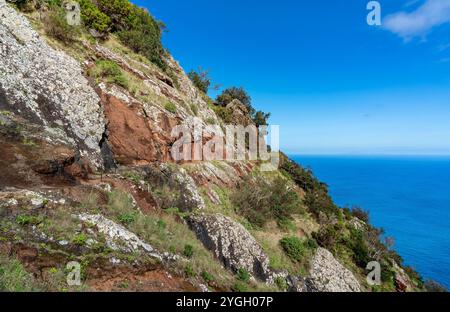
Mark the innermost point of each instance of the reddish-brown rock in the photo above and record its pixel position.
(133, 138)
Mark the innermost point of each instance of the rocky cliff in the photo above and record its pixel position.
(87, 176)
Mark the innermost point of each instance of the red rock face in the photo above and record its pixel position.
(133, 138)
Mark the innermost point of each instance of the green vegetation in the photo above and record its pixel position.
(80, 239)
(293, 247)
(228, 95)
(93, 18)
(240, 287)
(167, 233)
(223, 113)
(188, 251)
(142, 34)
(234, 93)
(200, 79)
(208, 278)
(127, 218)
(281, 283)
(14, 277)
(189, 271)
(110, 72)
(243, 275)
(171, 107)
(361, 214)
(133, 25)
(24, 220)
(260, 201)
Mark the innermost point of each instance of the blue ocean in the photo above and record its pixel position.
(407, 196)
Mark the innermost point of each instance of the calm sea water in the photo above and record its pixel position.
(408, 196)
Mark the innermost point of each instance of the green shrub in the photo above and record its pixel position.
(188, 251)
(14, 278)
(200, 79)
(224, 113)
(260, 118)
(171, 107)
(260, 201)
(127, 218)
(24, 220)
(208, 278)
(359, 248)
(240, 287)
(142, 34)
(281, 283)
(93, 18)
(109, 71)
(189, 271)
(79, 239)
(117, 10)
(293, 247)
(243, 275)
(234, 93)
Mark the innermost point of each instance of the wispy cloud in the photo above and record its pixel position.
(444, 60)
(443, 47)
(420, 22)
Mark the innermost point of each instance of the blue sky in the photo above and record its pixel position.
(334, 84)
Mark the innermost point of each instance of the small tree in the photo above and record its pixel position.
(200, 79)
(361, 214)
(234, 93)
(260, 118)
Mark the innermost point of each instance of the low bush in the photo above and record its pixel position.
(110, 71)
(80, 239)
(188, 251)
(207, 277)
(234, 93)
(240, 287)
(24, 220)
(14, 277)
(281, 283)
(127, 218)
(170, 107)
(360, 214)
(293, 247)
(189, 271)
(260, 201)
(243, 275)
(200, 79)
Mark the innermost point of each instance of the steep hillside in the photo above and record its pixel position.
(87, 175)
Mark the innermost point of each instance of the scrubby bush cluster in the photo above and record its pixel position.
(134, 26)
(260, 118)
(260, 201)
(200, 79)
(109, 71)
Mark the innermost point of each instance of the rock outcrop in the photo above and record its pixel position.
(240, 113)
(232, 244)
(47, 86)
(328, 275)
(119, 238)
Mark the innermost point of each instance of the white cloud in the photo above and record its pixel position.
(420, 22)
